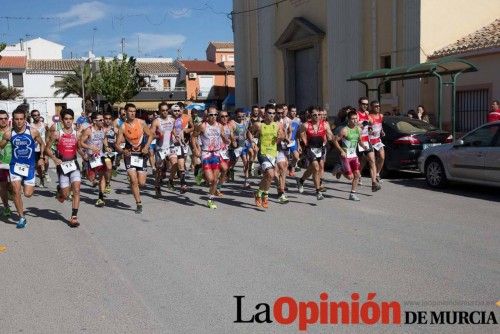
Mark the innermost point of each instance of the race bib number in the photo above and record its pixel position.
(224, 155)
(177, 150)
(68, 166)
(163, 153)
(317, 151)
(238, 151)
(291, 144)
(136, 161)
(361, 148)
(110, 154)
(21, 169)
(378, 146)
(95, 162)
(351, 152)
(255, 141)
(272, 160)
(187, 150)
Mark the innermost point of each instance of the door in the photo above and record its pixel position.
(492, 157)
(306, 79)
(206, 84)
(468, 161)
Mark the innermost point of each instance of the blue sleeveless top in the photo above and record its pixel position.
(23, 151)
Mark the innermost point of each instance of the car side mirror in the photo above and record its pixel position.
(458, 143)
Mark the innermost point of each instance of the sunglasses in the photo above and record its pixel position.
(376, 106)
(108, 118)
(314, 115)
(224, 116)
(98, 120)
(214, 115)
(271, 113)
(3, 118)
(35, 115)
(364, 104)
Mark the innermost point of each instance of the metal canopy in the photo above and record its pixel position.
(438, 68)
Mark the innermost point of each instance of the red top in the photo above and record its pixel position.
(494, 116)
(362, 116)
(376, 120)
(67, 145)
(316, 138)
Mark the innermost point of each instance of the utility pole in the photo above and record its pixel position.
(93, 39)
(123, 42)
(138, 46)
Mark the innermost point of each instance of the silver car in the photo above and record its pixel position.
(475, 158)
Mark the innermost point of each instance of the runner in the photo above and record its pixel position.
(109, 157)
(162, 127)
(212, 139)
(270, 134)
(42, 128)
(314, 134)
(93, 140)
(65, 158)
(137, 138)
(253, 150)
(227, 132)
(180, 148)
(118, 122)
(5, 156)
(295, 149)
(364, 148)
(283, 152)
(377, 131)
(349, 136)
(23, 164)
(242, 145)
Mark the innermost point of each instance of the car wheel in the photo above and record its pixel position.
(434, 173)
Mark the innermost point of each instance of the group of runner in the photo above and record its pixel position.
(274, 137)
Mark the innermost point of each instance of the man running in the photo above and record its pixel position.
(349, 136)
(212, 139)
(227, 132)
(162, 128)
(65, 158)
(137, 137)
(295, 149)
(364, 147)
(253, 150)
(374, 136)
(242, 145)
(22, 165)
(118, 122)
(314, 134)
(5, 156)
(110, 132)
(93, 140)
(270, 134)
(180, 148)
(283, 152)
(42, 128)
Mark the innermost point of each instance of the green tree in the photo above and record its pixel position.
(72, 84)
(9, 93)
(117, 80)
(2, 47)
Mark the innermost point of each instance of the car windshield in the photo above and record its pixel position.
(413, 126)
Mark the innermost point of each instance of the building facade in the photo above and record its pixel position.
(303, 51)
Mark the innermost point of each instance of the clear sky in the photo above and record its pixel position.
(151, 28)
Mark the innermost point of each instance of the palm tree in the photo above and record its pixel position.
(9, 93)
(71, 84)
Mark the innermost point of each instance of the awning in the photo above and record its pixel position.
(229, 100)
(442, 66)
(196, 106)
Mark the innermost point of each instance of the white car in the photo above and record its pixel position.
(475, 158)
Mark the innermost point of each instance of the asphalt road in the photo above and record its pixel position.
(176, 267)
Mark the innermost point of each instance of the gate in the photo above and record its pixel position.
(471, 108)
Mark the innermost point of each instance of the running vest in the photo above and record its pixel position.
(226, 133)
(240, 132)
(23, 151)
(134, 133)
(164, 132)
(362, 117)
(268, 138)
(211, 138)
(377, 128)
(96, 138)
(350, 142)
(5, 154)
(295, 127)
(315, 138)
(111, 137)
(42, 131)
(178, 129)
(67, 145)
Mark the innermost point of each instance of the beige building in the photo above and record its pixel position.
(302, 51)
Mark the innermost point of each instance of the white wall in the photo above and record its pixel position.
(36, 48)
(158, 85)
(4, 79)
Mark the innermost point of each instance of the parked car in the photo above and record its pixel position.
(475, 158)
(406, 138)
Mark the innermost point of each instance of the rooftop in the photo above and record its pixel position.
(485, 38)
(65, 65)
(222, 45)
(7, 62)
(203, 66)
(156, 67)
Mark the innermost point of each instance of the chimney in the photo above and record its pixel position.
(21, 44)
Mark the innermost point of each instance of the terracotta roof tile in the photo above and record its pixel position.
(156, 67)
(12, 62)
(202, 66)
(484, 38)
(64, 65)
(223, 45)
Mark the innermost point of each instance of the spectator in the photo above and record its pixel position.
(494, 114)
(422, 114)
(411, 114)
